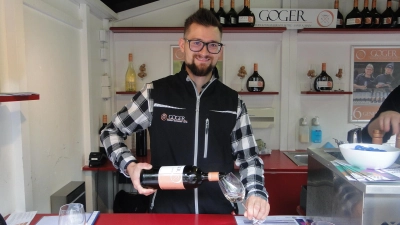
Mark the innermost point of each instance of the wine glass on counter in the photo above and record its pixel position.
(234, 191)
(72, 214)
(311, 74)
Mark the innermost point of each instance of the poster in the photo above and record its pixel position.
(177, 58)
(375, 74)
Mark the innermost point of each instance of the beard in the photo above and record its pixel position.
(197, 71)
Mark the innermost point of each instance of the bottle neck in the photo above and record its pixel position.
(365, 4)
(389, 4)
(212, 176)
(373, 4)
(355, 5)
(221, 4)
(232, 4)
(336, 4)
(211, 4)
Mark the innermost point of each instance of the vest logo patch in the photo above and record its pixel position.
(173, 118)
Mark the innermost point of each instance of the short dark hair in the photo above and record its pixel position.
(203, 17)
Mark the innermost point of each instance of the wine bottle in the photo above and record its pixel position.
(101, 147)
(354, 18)
(366, 15)
(231, 16)
(212, 9)
(201, 4)
(221, 14)
(323, 82)
(339, 17)
(176, 177)
(376, 16)
(255, 83)
(388, 19)
(245, 17)
(130, 76)
(141, 143)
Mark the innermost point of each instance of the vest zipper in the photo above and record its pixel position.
(206, 138)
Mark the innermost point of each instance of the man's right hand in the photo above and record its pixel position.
(384, 121)
(133, 170)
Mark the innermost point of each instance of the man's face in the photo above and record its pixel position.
(388, 71)
(200, 63)
(368, 71)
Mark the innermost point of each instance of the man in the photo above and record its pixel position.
(193, 119)
(385, 80)
(387, 119)
(364, 80)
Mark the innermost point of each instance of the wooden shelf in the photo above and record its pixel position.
(326, 92)
(258, 93)
(348, 31)
(17, 98)
(180, 29)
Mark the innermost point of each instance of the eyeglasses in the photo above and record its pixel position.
(197, 46)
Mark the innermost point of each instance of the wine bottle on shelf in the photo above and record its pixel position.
(367, 16)
(221, 14)
(339, 18)
(201, 4)
(255, 83)
(323, 82)
(354, 18)
(231, 16)
(397, 16)
(376, 16)
(101, 147)
(141, 143)
(130, 76)
(245, 17)
(387, 17)
(176, 177)
(212, 8)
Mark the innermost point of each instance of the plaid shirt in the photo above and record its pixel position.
(137, 115)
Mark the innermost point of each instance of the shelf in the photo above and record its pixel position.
(126, 92)
(258, 93)
(17, 98)
(348, 31)
(180, 29)
(326, 92)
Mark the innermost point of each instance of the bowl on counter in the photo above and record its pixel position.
(369, 159)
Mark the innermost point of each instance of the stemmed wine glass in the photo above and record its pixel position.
(72, 214)
(234, 191)
(311, 74)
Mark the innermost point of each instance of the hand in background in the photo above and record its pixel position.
(384, 122)
(133, 169)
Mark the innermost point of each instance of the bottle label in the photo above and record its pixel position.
(170, 177)
(387, 20)
(353, 21)
(316, 136)
(246, 19)
(233, 20)
(368, 20)
(322, 84)
(339, 22)
(256, 83)
(222, 20)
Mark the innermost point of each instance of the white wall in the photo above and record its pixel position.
(45, 143)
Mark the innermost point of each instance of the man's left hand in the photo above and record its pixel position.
(257, 208)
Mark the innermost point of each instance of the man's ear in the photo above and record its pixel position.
(182, 44)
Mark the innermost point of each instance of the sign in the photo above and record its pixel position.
(374, 76)
(295, 18)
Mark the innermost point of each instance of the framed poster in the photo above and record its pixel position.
(177, 58)
(375, 74)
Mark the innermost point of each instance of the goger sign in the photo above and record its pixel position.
(295, 18)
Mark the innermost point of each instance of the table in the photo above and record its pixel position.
(153, 219)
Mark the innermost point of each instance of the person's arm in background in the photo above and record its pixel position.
(134, 116)
(386, 119)
(251, 166)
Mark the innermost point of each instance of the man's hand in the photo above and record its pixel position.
(133, 170)
(384, 121)
(257, 208)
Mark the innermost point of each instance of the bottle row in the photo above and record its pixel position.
(307, 134)
(245, 18)
(368, 18)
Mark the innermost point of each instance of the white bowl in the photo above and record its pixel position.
(369, 159)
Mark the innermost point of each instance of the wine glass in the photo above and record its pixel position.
(72, 214)
(311, 73)
(339, 75)
(234, 191)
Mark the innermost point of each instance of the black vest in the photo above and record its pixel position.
(178, 135)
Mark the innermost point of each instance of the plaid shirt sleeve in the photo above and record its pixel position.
(134, 116)
(244, 147)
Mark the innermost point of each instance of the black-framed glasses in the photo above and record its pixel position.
(197, 45)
